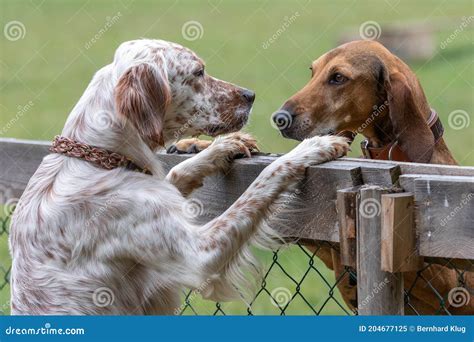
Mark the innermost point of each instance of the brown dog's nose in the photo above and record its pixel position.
(248, 95)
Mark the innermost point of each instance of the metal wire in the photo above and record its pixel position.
(299, 288)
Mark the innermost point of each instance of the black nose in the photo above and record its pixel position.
(248, 95)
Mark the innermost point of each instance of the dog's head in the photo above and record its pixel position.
(164, 91)
(354, 88)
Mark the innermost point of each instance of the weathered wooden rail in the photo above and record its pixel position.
(385, 216)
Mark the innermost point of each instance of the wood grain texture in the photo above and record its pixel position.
(311, 215)
(347, 214)
(445, 216)
(378, 292)
(399, 250)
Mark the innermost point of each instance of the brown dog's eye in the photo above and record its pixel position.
(199, 73)
(337, 78)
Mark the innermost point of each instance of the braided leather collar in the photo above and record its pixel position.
(99, 156)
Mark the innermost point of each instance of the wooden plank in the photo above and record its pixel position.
(18, 161)
(312, 205)
(378, 292)
(445, 216)
(417, 168)
(399, 250)
(346, 209)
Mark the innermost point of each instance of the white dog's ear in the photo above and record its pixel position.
(142, 96)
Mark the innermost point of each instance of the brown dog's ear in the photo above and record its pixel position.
(409, 124)
(142, 96)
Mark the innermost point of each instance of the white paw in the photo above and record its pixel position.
(318, 150)
(235, 144)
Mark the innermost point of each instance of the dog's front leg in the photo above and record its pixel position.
(189, 175)
(224, 240)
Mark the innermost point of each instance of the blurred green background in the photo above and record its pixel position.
(47, 67)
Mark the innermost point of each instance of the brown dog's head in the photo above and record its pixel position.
(360, 87)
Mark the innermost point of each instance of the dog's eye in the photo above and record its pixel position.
(337, 78)
(199, 73)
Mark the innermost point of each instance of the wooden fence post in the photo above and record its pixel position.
(378, 292)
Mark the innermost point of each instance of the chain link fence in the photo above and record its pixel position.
(296, 282)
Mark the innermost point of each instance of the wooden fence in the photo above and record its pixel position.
(387, 217)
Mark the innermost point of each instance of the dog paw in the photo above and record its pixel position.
(236, 144)
(188, 146)
(318, 150)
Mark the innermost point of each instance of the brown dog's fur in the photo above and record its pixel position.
(374, 78)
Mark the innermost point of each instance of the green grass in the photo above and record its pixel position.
(51, 67)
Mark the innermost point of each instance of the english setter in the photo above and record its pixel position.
(89, 240)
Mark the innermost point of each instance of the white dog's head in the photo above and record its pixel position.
(165, 92)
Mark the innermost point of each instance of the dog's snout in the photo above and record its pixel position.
(248, 95)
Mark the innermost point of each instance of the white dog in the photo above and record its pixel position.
(89, 225)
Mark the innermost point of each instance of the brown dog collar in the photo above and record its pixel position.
(96, 155)
(392, 151)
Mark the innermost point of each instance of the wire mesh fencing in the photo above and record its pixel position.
(296, 282)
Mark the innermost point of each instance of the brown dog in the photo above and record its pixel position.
(363, 88)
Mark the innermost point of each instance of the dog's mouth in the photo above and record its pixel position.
(223, 128)
(229, 124)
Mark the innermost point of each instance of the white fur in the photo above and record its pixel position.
(85, 240)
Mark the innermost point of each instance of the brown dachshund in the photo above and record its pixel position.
(362, 87)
